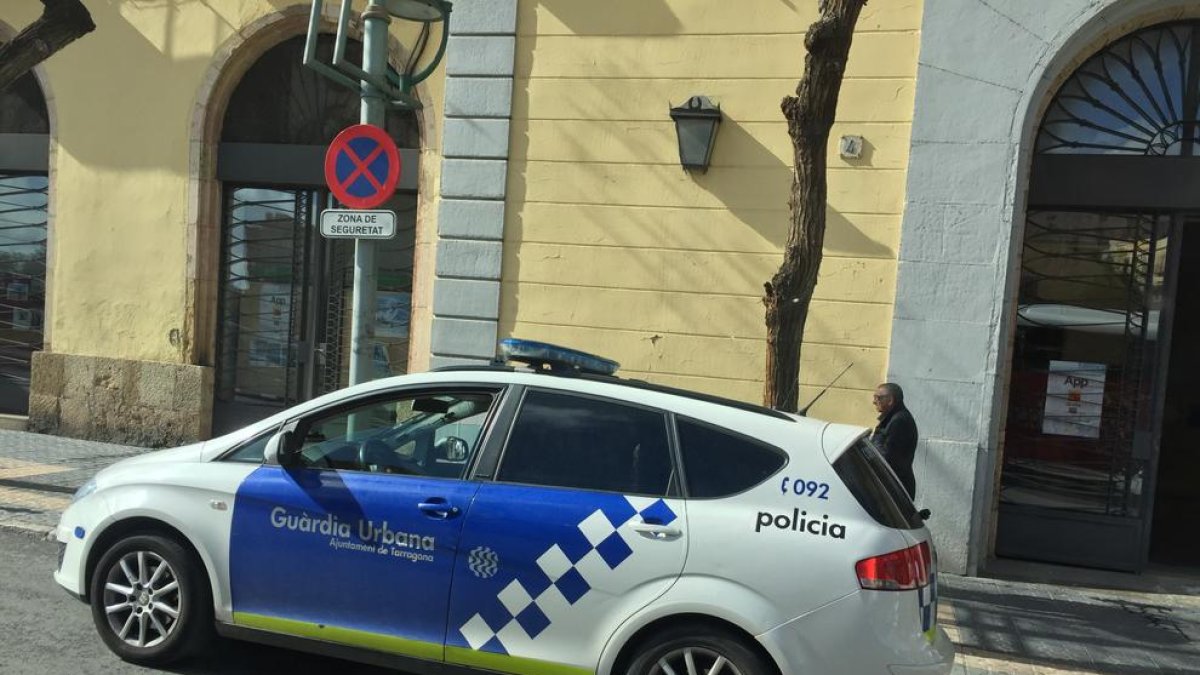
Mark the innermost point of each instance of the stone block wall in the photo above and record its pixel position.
(144, 403)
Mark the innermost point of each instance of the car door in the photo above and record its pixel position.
(580, 528)
(353, 540)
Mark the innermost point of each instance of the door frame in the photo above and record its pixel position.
(1108, 183)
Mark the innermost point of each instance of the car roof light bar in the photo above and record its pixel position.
(556, 359)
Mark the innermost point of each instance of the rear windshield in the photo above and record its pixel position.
(868, 477)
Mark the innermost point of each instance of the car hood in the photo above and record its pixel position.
(186, 453)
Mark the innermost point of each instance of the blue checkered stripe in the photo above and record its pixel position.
(927, 598)
(566, 572)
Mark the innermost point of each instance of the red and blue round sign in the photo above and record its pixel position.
(362, 166)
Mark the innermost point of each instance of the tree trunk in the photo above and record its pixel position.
(809, 115)
(61, 23)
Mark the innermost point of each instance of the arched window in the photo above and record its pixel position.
(1139, 95)
(24, 192)
(285, 292)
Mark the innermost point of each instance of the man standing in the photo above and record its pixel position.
(896, 435)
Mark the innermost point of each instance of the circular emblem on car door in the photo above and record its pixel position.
(483, 562)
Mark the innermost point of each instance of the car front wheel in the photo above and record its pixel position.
(150, 600)
(697, 650)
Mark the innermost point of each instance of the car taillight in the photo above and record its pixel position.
(904, 570)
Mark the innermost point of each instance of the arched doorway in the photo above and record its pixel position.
(284, 292)
(24, 196)
(1100, 464)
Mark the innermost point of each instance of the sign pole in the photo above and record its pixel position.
(353, 159)
(362, 322)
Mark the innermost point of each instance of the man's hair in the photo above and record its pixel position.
(893, 390)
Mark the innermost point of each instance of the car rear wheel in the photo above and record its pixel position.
(697, 650)
(150, 600)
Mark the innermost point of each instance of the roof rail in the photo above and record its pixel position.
(636, 384)
(495, 367)
(687, 393)
(548, 359)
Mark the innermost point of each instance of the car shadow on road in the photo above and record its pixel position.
(231, 657)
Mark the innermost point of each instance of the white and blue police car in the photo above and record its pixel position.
(534, 520)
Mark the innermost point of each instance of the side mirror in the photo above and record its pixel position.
(453, 449)
(280, 449)
(924, 513)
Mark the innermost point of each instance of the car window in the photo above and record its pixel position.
(578, 442)
(869, 478)
(251, 451)
(718, 463)
(423, 435)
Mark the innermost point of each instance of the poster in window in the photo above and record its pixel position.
(1074, 399)
(267, 352)
(391, 314)
(275, 302)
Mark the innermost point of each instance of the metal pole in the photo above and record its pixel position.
(362, 326)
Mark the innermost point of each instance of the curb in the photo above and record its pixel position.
(39, 531)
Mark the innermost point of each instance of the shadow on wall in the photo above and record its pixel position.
(155, 42)
(663, 266)
(682, 283)
(654, 17)
(770, 219)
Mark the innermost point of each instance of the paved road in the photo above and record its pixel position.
(49, 633)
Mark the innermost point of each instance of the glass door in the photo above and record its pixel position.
(23, 200)
(286, 302)
(1086, 388)
(264, 278)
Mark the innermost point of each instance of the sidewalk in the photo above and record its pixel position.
(1020, 628)
(998, 626)
(38, 475)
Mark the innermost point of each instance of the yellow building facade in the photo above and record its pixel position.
(608, 245)
(612, 247)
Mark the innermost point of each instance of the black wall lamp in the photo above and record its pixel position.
(696, 125)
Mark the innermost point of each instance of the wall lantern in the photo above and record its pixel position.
(696, 125)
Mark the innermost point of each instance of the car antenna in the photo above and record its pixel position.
(804, 411)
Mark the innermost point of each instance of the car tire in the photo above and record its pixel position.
(151, 601)
(705, 646)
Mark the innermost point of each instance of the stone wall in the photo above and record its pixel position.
(145, 403)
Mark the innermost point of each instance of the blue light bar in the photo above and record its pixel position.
(557, 359)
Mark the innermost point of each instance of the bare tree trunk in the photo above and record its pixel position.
(810, 115)
(61, 23)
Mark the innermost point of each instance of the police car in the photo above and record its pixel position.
(544, 519)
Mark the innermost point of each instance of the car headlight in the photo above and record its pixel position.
(84, 490)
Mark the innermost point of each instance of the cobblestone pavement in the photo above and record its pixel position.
(998, 626)
(38, 474)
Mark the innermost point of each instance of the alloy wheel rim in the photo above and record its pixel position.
(141, 599)
(694, 661)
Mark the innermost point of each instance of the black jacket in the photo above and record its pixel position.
(896, 438)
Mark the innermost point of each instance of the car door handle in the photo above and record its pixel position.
(655, 531)
(438, 508)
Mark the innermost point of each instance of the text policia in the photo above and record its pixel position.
(798, 521)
